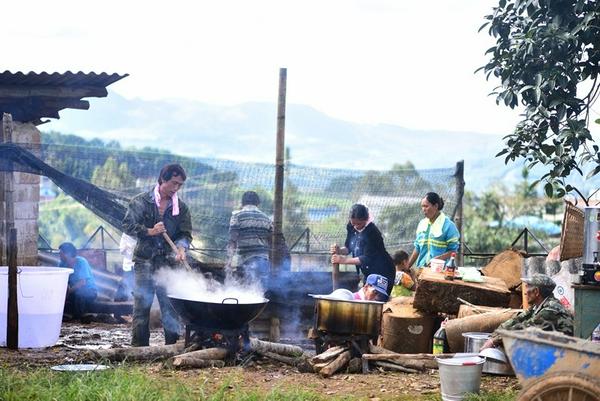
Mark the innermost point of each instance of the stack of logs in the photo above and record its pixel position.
(179, 357)
(338, 358)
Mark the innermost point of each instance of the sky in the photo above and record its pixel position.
(407, 63)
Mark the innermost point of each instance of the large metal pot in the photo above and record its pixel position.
(229, 314)
(473, 343)
(348, 317)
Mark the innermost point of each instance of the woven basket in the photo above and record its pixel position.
(571, 235)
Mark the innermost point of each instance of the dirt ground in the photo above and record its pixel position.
(260, 374)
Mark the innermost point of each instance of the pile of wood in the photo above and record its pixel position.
(179, 357)
(340, 359)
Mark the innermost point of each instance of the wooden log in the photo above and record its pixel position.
(329, 354)
(484, 323)
(506, 266)
(411, 361)
(470, 310)
(336, 365)
(394, 366)
(281, 349)
(304, 366)
(354, 366)
(193, 362)
(139, 353)
(436, 294)
(208, 353)
(288, 360)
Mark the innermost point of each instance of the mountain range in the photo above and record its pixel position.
(246, 132)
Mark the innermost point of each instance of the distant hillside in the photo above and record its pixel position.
(246, 132)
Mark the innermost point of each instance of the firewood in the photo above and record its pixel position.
(199, 363)
(281, 349)
(411, 361)
(393, 366)
(329, 354)
(150, 353)
(304, 366)
(208, 353)
(288, 360)
(336, 365)
(482, 323)
(355, 365)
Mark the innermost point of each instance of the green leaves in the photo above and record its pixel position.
(543, 51)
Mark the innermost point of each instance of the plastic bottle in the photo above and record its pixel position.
(450, 270)
(439, 339)
(596, 334)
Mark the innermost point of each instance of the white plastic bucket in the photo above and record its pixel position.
(41, 295)
(459, 375)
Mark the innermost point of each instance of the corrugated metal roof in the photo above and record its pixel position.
(32, 96)
(69, 79)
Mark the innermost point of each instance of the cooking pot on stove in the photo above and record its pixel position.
(228, 314)
(344, 317)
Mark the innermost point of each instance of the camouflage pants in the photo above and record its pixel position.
(143, 294)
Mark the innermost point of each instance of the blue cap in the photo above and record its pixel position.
(378, 282)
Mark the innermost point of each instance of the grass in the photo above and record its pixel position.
(126, 384)
(133, 383)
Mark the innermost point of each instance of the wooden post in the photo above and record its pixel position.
(12, 322)
(277, 247)
(9, 210)
(335, 276)
(458, 211)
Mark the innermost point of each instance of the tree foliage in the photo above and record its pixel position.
(113, 175)
(547, 58)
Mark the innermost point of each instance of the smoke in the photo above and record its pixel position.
(197, 287)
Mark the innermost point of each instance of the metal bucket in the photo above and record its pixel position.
(459, 375)
(473, 343)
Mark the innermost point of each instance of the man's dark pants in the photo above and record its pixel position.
(143, 295)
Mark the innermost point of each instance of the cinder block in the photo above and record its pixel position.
(26, 193)
(26, 210)
(24, 178)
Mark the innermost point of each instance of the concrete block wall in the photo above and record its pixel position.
(26, 196)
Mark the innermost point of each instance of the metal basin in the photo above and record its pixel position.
(348, 317)
(493, 364)
(229, 314)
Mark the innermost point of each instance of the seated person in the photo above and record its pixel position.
(404, 284)
(375, 289)
(545, 313)
(81, 291)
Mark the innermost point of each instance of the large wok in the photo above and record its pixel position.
(229, 314)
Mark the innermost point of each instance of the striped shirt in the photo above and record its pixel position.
(251, 230)
(435, 239)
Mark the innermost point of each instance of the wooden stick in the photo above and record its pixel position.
(281, 349)
(193, 362)
(174, 248)
(335, 276)
(139, 353)
(329, 354)
(394, 366)
(410, 361)
(336, 365)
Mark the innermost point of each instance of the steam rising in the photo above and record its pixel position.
(196, 287)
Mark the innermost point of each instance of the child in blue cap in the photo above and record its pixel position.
(375, 289)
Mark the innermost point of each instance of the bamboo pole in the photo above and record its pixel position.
(277, 243)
